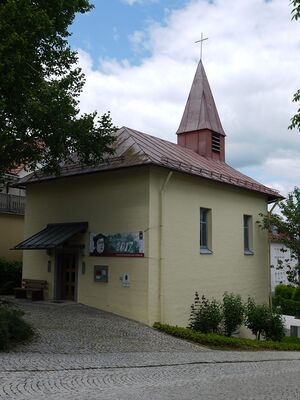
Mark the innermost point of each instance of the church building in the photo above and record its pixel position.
(157, 221)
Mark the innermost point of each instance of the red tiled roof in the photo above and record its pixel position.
(134, 148)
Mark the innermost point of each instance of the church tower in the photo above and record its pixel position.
(200, 129)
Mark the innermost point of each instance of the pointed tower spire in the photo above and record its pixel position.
(200, 128)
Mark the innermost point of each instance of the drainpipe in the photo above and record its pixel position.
(161, 245)
(269, 241)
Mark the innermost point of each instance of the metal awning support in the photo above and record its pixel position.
(54, 235)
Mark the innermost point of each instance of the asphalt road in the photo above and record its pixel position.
(85, 354)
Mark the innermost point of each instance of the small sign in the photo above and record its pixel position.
(126, 280)
(101, 273)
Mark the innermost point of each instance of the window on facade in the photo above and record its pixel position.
(248, 235)
(205, 230)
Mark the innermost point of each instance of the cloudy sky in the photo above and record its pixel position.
(140, 56)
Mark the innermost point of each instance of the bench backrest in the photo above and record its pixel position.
(34, 284)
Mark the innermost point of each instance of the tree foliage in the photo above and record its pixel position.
(295, 121)
(206, 315)
(13, 328)
(233, 312)
(212, 316)
(287, 226)
(40, 85)
(262, 320)
(296, 9)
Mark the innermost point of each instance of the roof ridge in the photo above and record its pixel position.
(178, 147)
(135, 141)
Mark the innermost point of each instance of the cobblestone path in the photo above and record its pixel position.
(85, 354)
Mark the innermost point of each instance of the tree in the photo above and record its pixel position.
(40, 86)
(295, 121)
(206, 315)
(233, 312)
(287, 226)
(262, 320)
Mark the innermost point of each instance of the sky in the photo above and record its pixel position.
(140, 57)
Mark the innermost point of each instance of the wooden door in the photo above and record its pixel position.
(68, 276)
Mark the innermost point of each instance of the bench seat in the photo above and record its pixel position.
(32, 289)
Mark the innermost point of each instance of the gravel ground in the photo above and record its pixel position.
(82, 353)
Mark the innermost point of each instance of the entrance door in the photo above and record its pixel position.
(67, 267)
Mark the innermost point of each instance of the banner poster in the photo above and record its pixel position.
(117, 245)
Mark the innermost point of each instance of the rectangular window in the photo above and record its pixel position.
(205, 230)
(248, 235)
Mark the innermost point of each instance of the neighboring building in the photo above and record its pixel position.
(140, 233)
(12, 206)
(276, 254)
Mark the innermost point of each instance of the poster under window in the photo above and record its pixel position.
(117, 245)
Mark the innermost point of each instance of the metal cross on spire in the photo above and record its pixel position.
(201, 44)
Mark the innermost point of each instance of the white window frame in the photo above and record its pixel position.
(248, 235)
(205, 226)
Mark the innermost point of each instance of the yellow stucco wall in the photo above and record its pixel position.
(183, 269)
(110, 202)
(164, 281)
(11, 233)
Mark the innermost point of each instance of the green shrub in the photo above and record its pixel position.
(287, 306)
(10, 275)
(233, 312)
(4, 337)
(206, 315)
(256, 316)
(284, 291)
(291, 339)
(296, 294)
(224, 342)
(13, 328)
(262, 320)
(210, 316)
(274, 329)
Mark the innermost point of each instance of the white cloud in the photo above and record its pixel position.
(132, 2)
(252, 61)
(287, 172)
(137, 39)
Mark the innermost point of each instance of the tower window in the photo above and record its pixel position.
(216, 146)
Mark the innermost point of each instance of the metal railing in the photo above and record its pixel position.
(11, 203)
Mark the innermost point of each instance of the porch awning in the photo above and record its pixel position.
(54, 235)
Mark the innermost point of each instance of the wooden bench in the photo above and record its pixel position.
(32, 289)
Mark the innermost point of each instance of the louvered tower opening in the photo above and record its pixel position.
(200, 128)
(215, 141)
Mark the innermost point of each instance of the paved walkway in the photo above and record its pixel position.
(82, 353)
